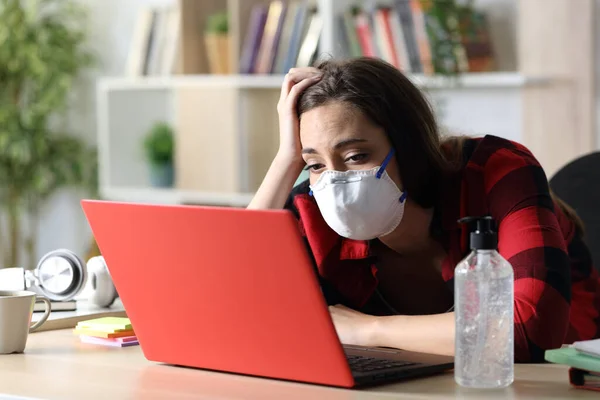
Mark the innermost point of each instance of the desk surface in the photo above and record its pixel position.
(56, 365)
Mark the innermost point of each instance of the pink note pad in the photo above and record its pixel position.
(116, 342)
(124, 339)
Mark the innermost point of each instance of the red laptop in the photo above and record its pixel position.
(233, 290)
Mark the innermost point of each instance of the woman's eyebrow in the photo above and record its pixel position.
(337, 146)
(348, 142)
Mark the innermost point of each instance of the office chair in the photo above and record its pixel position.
(578, 184)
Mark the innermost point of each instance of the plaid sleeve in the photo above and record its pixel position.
(531, 239)
(330, 293)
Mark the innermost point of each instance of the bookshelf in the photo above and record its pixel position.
(226, 124)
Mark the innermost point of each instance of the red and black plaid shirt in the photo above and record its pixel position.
(557, 290)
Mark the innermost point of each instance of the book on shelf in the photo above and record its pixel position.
(295, 15)
(310, 44)
(69, 305)
(153, 49)
(270, 37)
(256, 26)
(280, 36)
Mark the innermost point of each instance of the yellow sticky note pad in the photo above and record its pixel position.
(106, 324)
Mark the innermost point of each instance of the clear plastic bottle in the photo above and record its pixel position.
(483, 299)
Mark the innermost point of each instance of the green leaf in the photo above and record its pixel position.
(218, 23)
(43, 50)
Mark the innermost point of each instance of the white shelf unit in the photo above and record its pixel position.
(128, 106)
(485, 80)
(226, 125)
(175, 196)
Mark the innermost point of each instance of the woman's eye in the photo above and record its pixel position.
(357, 157)
(313, 167)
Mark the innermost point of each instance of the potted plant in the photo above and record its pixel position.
(43, 53)
(216, 39)
(159, 144)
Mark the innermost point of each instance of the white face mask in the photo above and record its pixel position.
(360, 205)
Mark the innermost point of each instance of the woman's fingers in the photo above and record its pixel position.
(294, 76)
(295, 82)
(298, 88)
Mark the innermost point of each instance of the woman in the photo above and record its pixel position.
(380, 210)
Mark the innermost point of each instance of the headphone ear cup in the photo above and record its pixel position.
(102, 290)
(60, 275)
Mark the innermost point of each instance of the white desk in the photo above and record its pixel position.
(56, 365)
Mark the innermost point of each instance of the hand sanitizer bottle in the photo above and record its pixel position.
(483, 300)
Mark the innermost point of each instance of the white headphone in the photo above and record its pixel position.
(62, 275)
(103, 292)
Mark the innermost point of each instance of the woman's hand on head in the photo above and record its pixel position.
(353, 327)
(296, 81)
(287, 165)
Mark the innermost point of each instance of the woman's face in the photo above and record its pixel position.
(338, 137)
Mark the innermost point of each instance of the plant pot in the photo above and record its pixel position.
(162, 175)
(217, 52)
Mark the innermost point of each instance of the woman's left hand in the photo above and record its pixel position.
(353, 327)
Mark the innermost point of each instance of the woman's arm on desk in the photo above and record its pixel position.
(424, 333)
(288, 163)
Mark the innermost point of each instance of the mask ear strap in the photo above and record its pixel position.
(403, 197)
(385, 163)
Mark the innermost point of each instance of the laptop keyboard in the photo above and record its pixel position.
(369, 364)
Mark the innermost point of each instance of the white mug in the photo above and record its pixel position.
(16, 310)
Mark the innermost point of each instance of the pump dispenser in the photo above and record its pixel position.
(483, 237)
(484, 304)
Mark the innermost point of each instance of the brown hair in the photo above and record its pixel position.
(392, 101)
